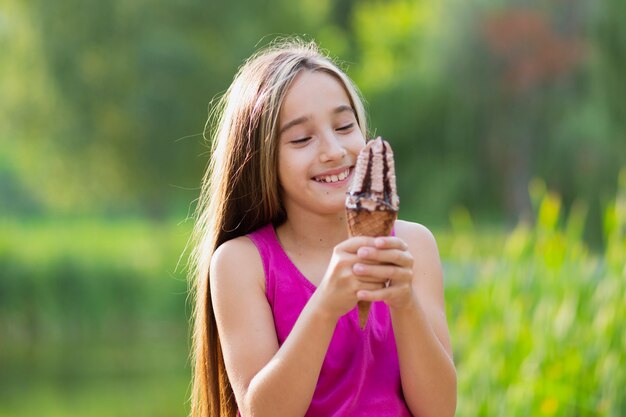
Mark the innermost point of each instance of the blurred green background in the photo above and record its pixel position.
(508, 119)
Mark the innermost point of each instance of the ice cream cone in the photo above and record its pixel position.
(369, 223)
(372, 202)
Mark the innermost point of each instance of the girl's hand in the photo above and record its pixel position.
(388, 260)
(337, 293)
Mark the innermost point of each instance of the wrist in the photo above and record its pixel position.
(408, 308)
(321, 312)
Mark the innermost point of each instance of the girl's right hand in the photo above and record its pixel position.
(339, 286)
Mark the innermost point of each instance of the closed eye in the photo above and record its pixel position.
(346, 127)
(301, 141)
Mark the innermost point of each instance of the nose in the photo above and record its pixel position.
(331, 148)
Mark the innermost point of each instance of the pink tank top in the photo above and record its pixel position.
(360, 375)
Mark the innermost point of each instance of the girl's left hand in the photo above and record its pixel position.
(388, 261)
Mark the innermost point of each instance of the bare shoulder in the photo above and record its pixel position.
(418, 237)
(426, 263)
(238, 258)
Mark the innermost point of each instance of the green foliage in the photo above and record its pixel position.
(104, 103)
(537, 322)
(93, 318)
(88, 279)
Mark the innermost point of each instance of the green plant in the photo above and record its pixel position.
(538, 325)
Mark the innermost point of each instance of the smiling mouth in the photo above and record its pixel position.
(333, 178)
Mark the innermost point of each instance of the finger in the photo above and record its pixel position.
(379, 272)
(388, 256)
(372, 280)
(370, 286)
(386, 294)
(390, 242)
(383, 294)
(382, 273)
(352, 244)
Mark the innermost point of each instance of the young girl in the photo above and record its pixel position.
(276, 277)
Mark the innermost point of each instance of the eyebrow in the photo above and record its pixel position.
(300, 120)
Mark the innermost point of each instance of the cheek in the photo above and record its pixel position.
(287, 169)
(357, 141)
(282, 173)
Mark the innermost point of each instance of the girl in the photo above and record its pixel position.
(276, 277)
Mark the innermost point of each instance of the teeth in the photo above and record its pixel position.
(334, 178)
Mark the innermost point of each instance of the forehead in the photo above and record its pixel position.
(312, 92)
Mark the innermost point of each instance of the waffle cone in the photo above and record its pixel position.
(369, 223)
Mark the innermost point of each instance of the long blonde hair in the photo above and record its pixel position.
(240, 192)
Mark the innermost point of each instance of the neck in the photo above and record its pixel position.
(314, 232)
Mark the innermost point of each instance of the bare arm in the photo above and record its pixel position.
(416, 301)
(268, 380)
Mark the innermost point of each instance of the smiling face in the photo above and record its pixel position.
(319, 141)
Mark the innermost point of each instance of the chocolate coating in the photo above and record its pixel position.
(374, 184)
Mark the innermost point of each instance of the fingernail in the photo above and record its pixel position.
(363, 252)
(380, 241)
